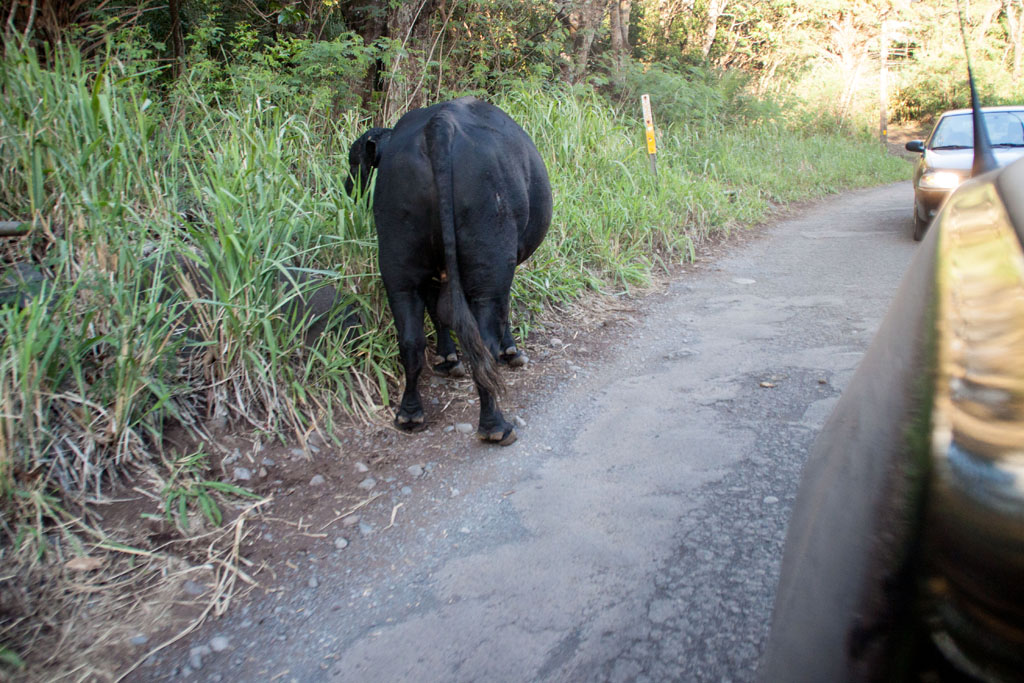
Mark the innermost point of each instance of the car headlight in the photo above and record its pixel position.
(940, 180)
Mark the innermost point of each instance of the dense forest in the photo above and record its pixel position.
(174, 172)
(841, 58)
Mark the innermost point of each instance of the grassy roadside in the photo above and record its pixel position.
(177, 233)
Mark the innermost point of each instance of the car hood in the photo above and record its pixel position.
(961, 159)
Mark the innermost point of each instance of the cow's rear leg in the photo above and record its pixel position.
(408, 312)
(509, 353)
(493, 428)
(490, 317)
(450, 365)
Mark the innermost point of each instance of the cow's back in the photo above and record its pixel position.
(498, 177)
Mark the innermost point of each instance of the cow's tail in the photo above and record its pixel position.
(439, 134)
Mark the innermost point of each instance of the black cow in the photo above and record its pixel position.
(462, 197)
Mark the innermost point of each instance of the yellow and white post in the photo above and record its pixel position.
(652, 146)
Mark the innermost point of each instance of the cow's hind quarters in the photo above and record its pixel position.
(502, 438)
(407, 422)
(514, 357)
(451, 366)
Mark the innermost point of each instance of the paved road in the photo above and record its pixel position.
(635, 531)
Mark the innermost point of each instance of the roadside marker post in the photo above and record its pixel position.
(652, 146)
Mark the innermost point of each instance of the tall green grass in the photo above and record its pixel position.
(178, 230)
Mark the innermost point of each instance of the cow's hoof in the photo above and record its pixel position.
(410, 423)
(518, 361)
(450, 367)
(505, 438)
(514, 357)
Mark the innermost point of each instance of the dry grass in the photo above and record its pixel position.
(74, 612)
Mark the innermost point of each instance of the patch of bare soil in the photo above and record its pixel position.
(901, 134)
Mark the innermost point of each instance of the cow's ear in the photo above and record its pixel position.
(374, 143)
(372, 155)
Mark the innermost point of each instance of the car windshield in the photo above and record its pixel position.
(956, 131)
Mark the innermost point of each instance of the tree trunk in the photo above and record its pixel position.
(175, 37)
(408, 23)
(715, 10)
(990, 13)
(368, 18)
(582, 18)
(618, 12)
(1013, 8)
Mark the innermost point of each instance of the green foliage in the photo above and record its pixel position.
(493, 41)
(689, 95)
(9, 659)
(939, 82)
(319, 79)
(120, 337)
(186, 487)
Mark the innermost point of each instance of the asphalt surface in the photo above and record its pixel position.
(635, 531)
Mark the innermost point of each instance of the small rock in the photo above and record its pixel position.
(770, 500)
(268, 462)
(351, 520)
(464, 530)
(464, 428)
(406, 491)
(455, 493)
(365, 529)
(448, 429)
(520, 422)
(297, 453)
(317, 480)
(415, 471)
(312, 583)
(242, 474)
(368, 483)
(556, 342)
(361, 467)
(140, 640)
(743, 280)
(263, 472)
(340, 543)
(219, 643)
(195, 657)
(193, 588)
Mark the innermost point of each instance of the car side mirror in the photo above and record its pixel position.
(915, 146)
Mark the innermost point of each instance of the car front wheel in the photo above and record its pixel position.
(920, 226)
